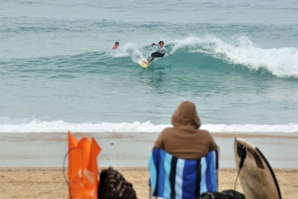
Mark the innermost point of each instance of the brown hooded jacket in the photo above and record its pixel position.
(185, 139)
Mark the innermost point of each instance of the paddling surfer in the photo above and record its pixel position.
(116, 45)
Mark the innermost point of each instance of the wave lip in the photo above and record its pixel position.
(280, 62)
(36, 126)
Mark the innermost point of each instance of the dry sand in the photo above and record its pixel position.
(50, 183)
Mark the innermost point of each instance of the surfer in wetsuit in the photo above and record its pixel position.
(160, 53)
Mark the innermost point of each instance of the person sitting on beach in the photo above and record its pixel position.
(185, 139)
(116, 45)
(160, 53)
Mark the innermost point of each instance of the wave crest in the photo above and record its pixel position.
(281, 62)
(36, 126)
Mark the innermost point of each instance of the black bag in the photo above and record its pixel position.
(112, 185)
(225, 194)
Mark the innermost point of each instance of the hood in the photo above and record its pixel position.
(186, 115)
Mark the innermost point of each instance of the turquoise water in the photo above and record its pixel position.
(236, 60)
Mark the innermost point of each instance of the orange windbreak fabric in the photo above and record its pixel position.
(82, 167)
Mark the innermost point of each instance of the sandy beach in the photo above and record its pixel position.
(49, 183)
(31, 164)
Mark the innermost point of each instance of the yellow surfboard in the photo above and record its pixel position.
(144, 63)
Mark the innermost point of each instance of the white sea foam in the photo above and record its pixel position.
(37, 126)
(128, 50)
(281, 62)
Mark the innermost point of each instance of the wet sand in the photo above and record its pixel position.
(49, 183)
(133, 149)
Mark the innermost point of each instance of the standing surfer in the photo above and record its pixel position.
(160, 53)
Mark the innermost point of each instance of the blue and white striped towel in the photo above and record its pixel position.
(172, 177)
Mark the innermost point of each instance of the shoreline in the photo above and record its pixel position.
(132, 134)
(49, 182)
(132, 149)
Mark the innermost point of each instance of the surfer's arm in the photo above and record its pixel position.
(167, 51)
(154, 44)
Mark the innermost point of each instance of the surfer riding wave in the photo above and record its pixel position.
(160, 53)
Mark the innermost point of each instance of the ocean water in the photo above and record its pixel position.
(236, 60)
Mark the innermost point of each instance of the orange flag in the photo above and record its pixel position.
(82, 167)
